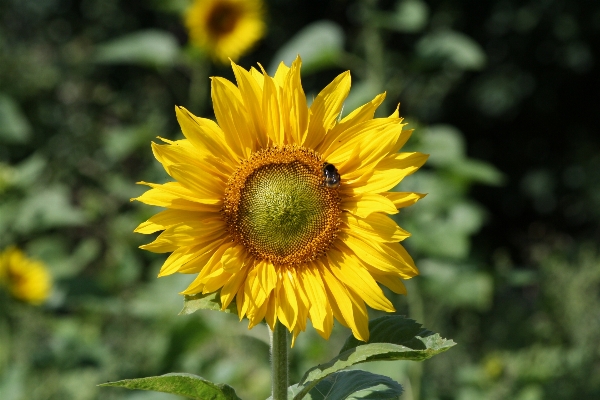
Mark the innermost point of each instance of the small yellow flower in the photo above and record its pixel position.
(26, 279)
(283, 207)
(225, 28)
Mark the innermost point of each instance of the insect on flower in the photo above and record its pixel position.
(331, 177)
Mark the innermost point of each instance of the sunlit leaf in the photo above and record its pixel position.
(454, 47)
(14, 126)
(150, 47)
(209, 301)
(182, 384)
(319, 44)
(409, 16)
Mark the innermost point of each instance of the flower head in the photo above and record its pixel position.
(225, 28)
(283, 207)
(26, 279)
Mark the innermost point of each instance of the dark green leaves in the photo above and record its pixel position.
(392, 338)
(355, 385)
(393, 329)
(187, 385)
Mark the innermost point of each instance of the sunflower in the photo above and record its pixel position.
(225, 28)
(284, 207)
(26, 279)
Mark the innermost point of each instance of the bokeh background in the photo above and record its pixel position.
(503, 94)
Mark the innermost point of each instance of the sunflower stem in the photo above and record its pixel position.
(279, 361)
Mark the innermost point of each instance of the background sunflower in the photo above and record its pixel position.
(225, 28)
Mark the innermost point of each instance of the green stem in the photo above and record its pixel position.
(279, 361)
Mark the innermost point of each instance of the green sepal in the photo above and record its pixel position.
(208, 301)
(392, 338)
(350, 385)
(188, 385)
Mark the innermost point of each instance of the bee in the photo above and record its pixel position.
(331, 177)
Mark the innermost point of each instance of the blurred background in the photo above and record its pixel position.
(503, 94)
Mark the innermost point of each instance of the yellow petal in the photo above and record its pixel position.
(404, 199)
(390, 281)
(232, 117)
(201, 183)
(365, 204)
(272, 112)
(342, 304)
(234, 258)
(167, 218)
(357, 136)
(349, 270)
(271, 313)
(359, 115)
(160, 198)
(231, 288)
(258, 77)
(325, 109)
(287, 304)
(215, 280)
(365, 150)
(390, 172)
(185, 259)
(180, 153)
(252, 96)
(176, 189)
(204, 134)
(281, 74)
(267, 276)
(381, 255)
(378, 227)
(317, 298)
(295, 116)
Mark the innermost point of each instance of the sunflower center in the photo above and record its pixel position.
(277, 206)
(222, 19)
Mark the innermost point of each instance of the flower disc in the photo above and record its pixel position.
(277, 206)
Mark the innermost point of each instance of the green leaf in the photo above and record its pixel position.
(348, 385)
(14, 126)
(209, 301)
(392, 338)
(48, 208)
(182, 384)
(150, 47)
(394, 329)
(319, 44)
(479, 171)
(409, 16)
(444, 143)
(453, 47)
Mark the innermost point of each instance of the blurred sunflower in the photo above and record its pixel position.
(25, 279)
(283, 207)
(225, 28)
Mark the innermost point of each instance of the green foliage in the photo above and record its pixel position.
(85, 86)
(14, 126)
(319, 44)
(188, 385)
(208, 301)
(150, 47)
(351, 385)
(392, 338)
(452, 47)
